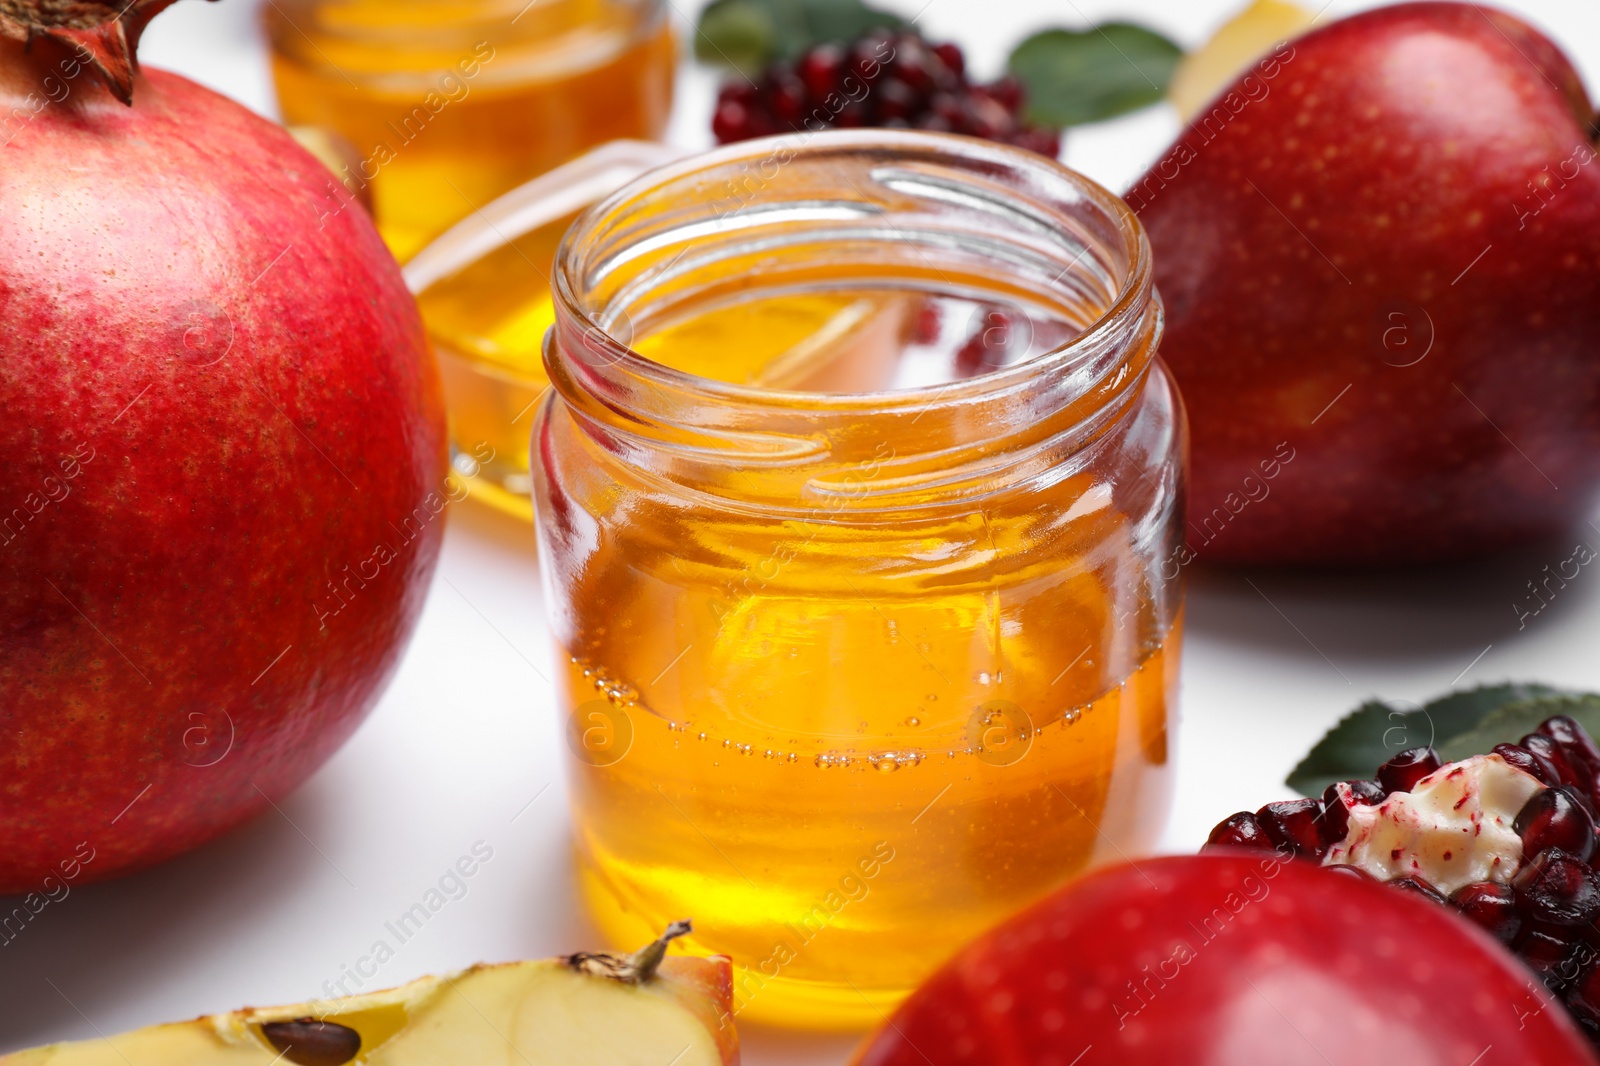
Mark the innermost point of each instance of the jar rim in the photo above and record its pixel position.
(1131, 302)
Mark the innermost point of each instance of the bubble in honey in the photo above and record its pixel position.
(913, 721)
(617, 692)
(887, 762)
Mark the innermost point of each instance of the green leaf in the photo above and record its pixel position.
(746, 35)
(1078, 76)
(737, 34)
(1509, 724)
(1375, 732)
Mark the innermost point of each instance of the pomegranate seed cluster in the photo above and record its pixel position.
(1544, 905)
(886, 80)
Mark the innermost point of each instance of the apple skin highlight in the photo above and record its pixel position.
(1245, 958)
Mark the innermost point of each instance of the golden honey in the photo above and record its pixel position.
(488, 321)
(854, 498)
(837, 861)
(487, 324)
(451, 103)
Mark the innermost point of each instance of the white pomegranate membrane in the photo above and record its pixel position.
(1452, 829)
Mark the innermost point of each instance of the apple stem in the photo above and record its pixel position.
(647, 959)
(637, 968)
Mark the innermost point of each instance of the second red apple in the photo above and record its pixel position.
(1380, 256)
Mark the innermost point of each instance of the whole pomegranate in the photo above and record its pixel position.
(222, 460)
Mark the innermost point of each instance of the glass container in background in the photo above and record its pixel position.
(452, 103)
(484, 291)
(859, 495)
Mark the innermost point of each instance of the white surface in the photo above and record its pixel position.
(464, 747)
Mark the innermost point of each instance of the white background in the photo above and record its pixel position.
(467, 735)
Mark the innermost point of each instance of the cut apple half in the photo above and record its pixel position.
(646, 1009)
(1251, 34)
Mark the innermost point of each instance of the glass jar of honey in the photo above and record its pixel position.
(858, 495)
(451, 103)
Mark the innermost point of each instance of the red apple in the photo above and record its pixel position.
(1380, 256)
(222, 458)
(1230, 959)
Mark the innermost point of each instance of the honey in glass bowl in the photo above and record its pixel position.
(871, 638)
(451, 103)
(484, 291)
(487, 323)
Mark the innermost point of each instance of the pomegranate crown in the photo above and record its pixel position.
(103, 35)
